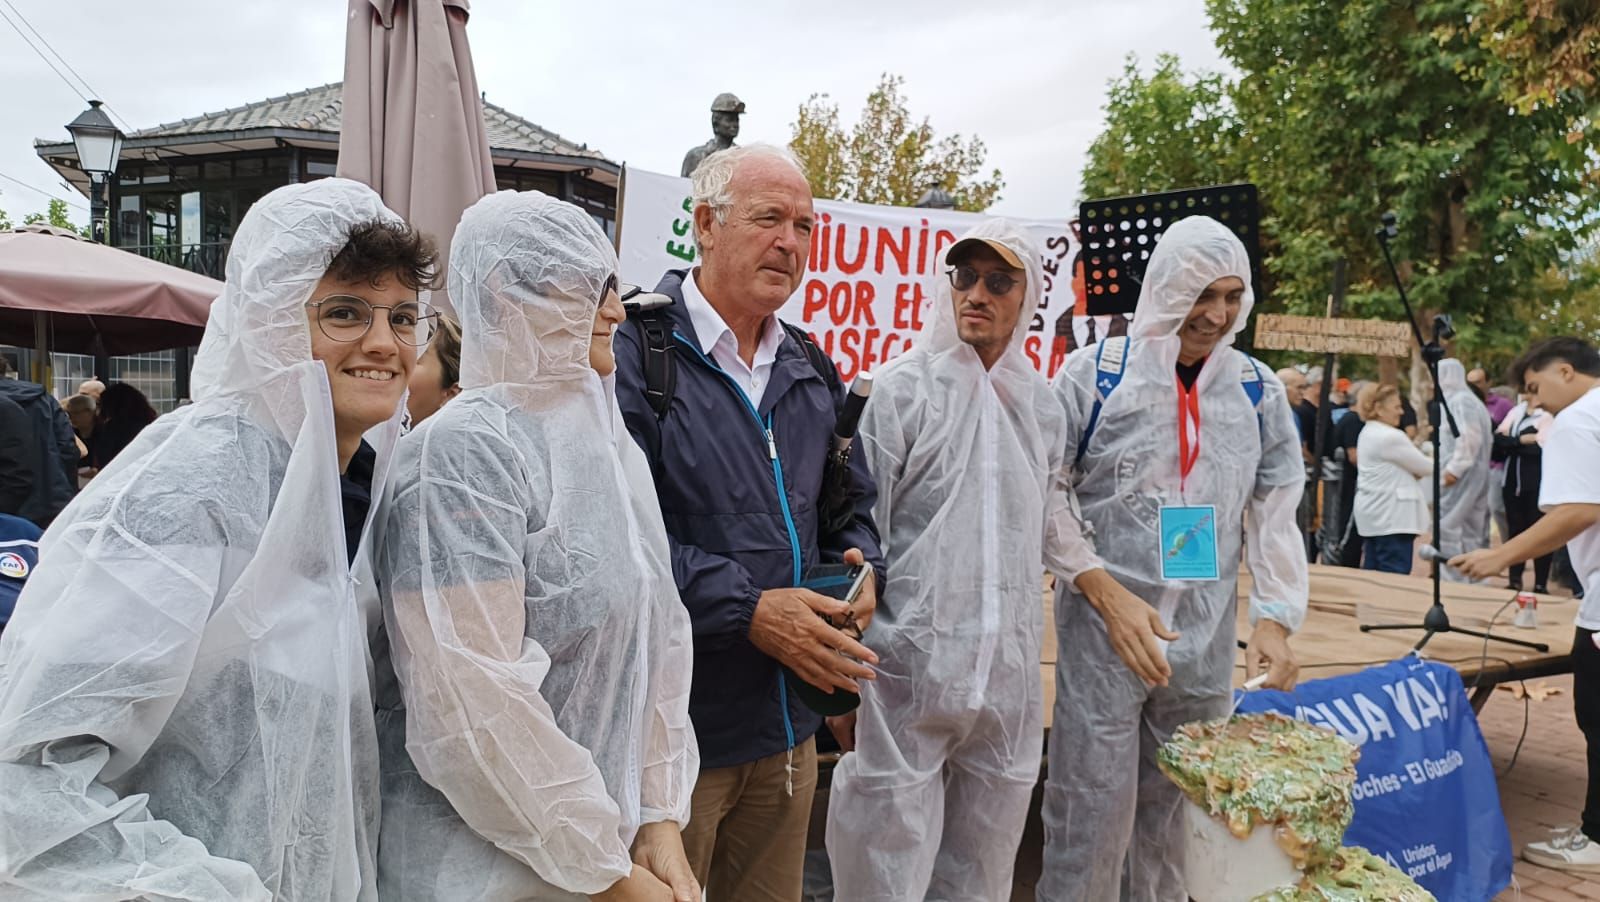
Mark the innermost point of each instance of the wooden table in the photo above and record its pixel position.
(1343, 599)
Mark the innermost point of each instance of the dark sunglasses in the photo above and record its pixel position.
(964, 277)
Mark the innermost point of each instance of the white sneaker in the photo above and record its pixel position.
(1567, 849)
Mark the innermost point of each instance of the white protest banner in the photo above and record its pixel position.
(866, 291)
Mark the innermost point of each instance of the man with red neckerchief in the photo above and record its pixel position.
(1187, 459)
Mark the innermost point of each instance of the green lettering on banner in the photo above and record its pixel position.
(681, 227)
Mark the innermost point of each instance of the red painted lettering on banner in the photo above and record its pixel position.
(816, 299)
(847, 266)
(855, 350)
(900, 252)
(1058, 354)
(908, 298)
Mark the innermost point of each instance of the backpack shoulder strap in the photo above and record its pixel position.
(1110, 362)
(1254, 388)
(819, 359)
(660, 359)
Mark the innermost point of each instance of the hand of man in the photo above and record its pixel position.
(658, 847)
(639, 886)
(844, 730)
(1449, 479)
(1529, 438)
(786, 626)
(1132, 625)
(1268, 649)
(1480, 564)
(866, 603)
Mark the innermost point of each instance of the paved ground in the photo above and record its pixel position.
(1546, 787)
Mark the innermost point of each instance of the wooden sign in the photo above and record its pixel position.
(1313, 334)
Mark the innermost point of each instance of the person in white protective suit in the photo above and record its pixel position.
(1180, 446)
(185, 705)
(965, 443)
(1466, 479)
(543, 746)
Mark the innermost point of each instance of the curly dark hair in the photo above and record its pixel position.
(379, 248)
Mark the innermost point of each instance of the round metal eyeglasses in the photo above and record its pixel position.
(344, 317)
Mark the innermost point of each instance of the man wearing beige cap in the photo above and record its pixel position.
(965, 443)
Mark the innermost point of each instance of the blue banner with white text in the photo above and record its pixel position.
(1426, 799)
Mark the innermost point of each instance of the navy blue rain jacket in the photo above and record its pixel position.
(733, 534)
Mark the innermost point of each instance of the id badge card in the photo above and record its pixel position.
(1188, 543)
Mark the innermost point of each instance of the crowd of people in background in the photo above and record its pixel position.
(1369, 490)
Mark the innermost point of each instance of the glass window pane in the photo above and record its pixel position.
(189, 216)
(129, 221)
(218, 171)
(249, 168)
(219, 217)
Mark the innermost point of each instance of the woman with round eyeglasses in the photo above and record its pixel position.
(185, 705)
(536, 744)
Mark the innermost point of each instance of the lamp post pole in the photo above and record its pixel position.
(99, 145)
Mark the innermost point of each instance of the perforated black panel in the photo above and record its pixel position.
(1118, 235)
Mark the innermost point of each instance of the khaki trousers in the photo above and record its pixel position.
(746, 838)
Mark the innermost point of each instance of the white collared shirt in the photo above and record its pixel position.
(719, 343)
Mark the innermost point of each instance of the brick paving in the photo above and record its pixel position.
(1546, 787)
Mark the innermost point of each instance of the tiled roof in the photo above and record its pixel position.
(318, 109)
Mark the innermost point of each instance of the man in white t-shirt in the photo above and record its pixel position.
(1562, 375)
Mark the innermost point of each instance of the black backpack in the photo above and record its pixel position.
(659, 355)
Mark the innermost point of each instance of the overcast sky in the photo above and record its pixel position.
(633, 79)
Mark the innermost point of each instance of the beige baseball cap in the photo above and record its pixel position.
(966, 245)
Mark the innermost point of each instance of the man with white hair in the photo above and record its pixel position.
(1183, 447)
(734, 410)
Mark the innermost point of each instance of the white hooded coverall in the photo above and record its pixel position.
(1106, 806)
(542, 651)
(185, 706)
(931, 803)
(1464, 507)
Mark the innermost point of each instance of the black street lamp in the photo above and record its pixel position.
(99, 144)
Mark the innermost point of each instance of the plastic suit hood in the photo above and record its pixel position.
(932, 802)
(1104, 787)
(543, 656)
(185, 709)
(1464, 506)
(1191, 255)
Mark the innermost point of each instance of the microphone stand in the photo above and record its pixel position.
(1436, 620)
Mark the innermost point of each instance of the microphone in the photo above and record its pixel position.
(844, 430)
(1430, 553)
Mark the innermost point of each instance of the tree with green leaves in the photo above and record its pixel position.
(888, 157)
(1356, 108)
(1343, 111)
(1182, 129)
(56, 216)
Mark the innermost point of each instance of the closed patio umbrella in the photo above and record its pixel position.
(412, 116)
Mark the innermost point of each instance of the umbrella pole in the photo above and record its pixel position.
(41, 353)
(622, 194)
